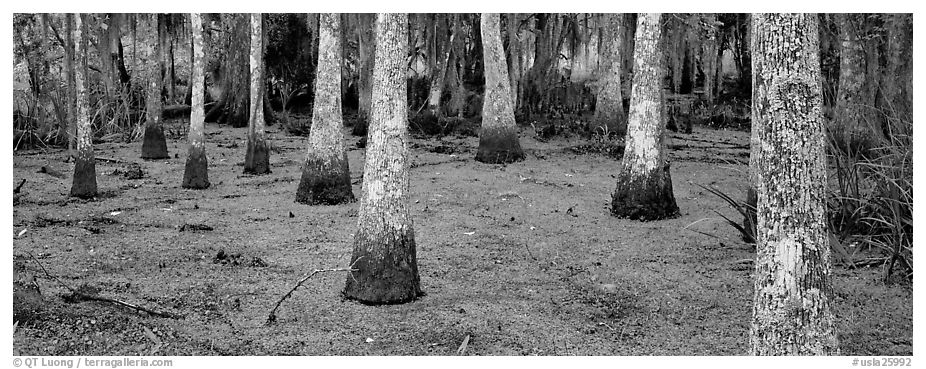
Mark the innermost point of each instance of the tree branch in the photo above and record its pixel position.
(272, 317)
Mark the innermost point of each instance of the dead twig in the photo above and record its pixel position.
(462, 349)
(272, 317)
(80, 296)
(16, 190)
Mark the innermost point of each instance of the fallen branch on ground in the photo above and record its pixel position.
(272, 317)
(80, 296)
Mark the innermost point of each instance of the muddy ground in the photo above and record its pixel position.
(522, 258)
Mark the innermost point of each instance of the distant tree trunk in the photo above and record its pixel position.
(257, 157)
(154, 144)
(71, 85)
(196, 174)
(455, 66)
(498, 139)
(441, 60)
(384, 245)
(232, 107)
(325, 174)
(84, 184)
(675, 52)
(367, 61)
(897, 79)
(117, 58)
(514, 56)
(710, 58)
(791, 313)
(166, 45)
(644, 184)
(852, 100)
(609, 109)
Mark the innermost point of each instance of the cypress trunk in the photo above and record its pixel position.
(644, 184)
(441, 63)
(514, 56)
(325, 174)
(257, 157)
(84, 184)
(850, 128)
(384, 245)
(71, 85)
(498, 139)
(367, 62)
(154, 144)
(710, 58)
(195, 175)
(609, 107)
(232, 107)
(791, 311)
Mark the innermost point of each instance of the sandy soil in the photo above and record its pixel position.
(524, 259)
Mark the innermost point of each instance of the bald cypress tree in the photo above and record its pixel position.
(791, 311)
(257, 157)
(196, 173)
(384, 245)
(154, 144)
(609, 109)
(644, 184)
(498, 139)
(325, 174)
(84, 184)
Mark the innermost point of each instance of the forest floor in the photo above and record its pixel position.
(524, 259)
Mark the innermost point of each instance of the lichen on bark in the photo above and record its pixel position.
(791, 309)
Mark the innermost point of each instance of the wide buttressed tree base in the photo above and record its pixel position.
(384, 256)
(257, 157)
(646, 197)
(84, 184)
(325, 174)
(498, 138)
(154, 144)
(196, 171)
(644, 183)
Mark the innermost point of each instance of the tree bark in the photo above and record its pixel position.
(441, 60)
(257, 157)
(367, 62)
(196, 174)
(71, 85)
(384, 245)
(154, 144)
(897, 78)
(498, 139)
(455, 66)
(232, 107)
(710, 58)
(326, 174)
(853, 101)
(791, 312)
(644, 184)
(84, 184)
(514, 56)
(609, 107)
